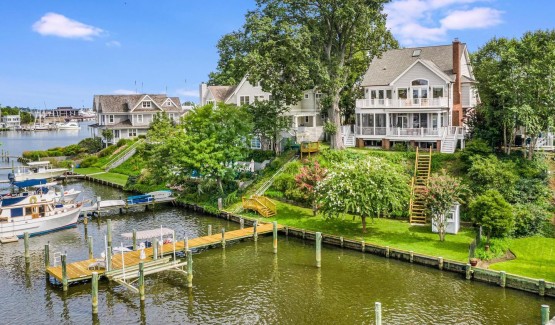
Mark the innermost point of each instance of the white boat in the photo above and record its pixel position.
(36, 170)
(37, 217)
(40, 127)
(159, 195)
(68, 126)
(41, 189)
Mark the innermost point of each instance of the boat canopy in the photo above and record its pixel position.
(147, 234)
(31, 182)
(38, 163)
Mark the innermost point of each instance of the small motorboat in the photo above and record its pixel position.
(72, 125)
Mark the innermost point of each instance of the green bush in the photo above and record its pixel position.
(493, 213)
(295, 194)
(91, 145)
(88, 162)
(497, 248)
(284, 182)
(122, 142)
(72, 150)
(260, 155)
(399, 147)
(274, 194)
(531, 219)
(107, 151)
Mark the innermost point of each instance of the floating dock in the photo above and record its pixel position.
(79, 271)
(105, 205)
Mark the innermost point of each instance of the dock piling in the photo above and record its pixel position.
(94, 292)
(378, 308)
(223, 237)
(275, 233)
(155, 249)
(241, 223)
(64, 271)
(468, 271)
(186, 244)
(134, 239)
(90, 242)
(189, 269)
(502, 279)
(109, 226)
(26, 244)
(109, 259)
(318, 249)
(142, 281)
(209, 230)
(46, 257)
(254, 231)
(545, 314)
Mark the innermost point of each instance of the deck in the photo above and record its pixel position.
(79, 271)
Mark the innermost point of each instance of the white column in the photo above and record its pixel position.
(387, 123)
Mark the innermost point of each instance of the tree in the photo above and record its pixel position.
(161, 127)
(442, 192)
(367, 187)
(108, 135)
(490, 173)
(308, 178)
(294, 45)
(269, 120)
(493, 213)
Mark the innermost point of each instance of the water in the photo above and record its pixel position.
(247, 284)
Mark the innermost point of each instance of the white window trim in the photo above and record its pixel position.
(139, 120)
(306, 96)
(254, 140)
(147, 104)
(111, 119)
(438, 86)
(243, 97)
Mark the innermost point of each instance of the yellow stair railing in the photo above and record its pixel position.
(419, 183)
(260, 204)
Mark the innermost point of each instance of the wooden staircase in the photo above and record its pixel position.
(260, 204)
(422, 166)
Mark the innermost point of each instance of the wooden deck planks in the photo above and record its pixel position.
(78, 271)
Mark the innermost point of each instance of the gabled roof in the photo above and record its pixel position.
(221, 93)
(126, 103)
(384, 70)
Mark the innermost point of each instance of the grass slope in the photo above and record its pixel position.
(109, 177)
(385, 232)
(535, 258)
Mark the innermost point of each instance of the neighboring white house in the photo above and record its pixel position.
(11, 121)
(417, 96)
(306, 121)
(129, 116)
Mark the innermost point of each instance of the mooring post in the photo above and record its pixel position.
(109, 226)
(440, 263)
(387, 251)
(411, 256)
(109, 258)
(318, 249)
(545, 314)
(98, 199)
(189, 269)
(134, 239)
(341, 241)
(275, 233)
(46, 257)
(90, 242)
(26, 244)
(468, 271)
(155, 249)
(241, 223)
(541, 287)
(255, 231)
(142, 281)
(220, 203)
(186, 244)
(223, 237)
(502, 279)
(209, 230)
(85, 221)
(94, 292)
(64, 272)
(378, 308)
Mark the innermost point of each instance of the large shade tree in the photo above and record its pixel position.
(368, 187)
(294, 45)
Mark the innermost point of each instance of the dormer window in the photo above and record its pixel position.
(416, 53)
(168, 103)
(419, 82)
(146, 104)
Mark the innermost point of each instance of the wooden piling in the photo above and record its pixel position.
(186, 246)
(341, 241)
(411, 256)
(64, 272)
(545, 314)
(241, 223)
(440, 263)
(318, 249)
(541, 287)
(94, 292)
(275, 234)
(26, 244)
(378, 308)
(189, 269)
(109, 259)
(109, 225)
(209, 230)
(142, 281)
(46, 257)
(134, 239)
(223, 237)
(90, 243)
(468, 271)
(254, 231)
(502, 279)
(387, 251)
(362, 246)
(155, 249)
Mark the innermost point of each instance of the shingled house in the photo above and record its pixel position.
(417, 96)
(128, 116)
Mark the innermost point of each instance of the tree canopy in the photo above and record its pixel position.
(294, 45)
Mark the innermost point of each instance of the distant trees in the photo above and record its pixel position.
(26, 117)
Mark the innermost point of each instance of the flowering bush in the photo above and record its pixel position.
(308, 178)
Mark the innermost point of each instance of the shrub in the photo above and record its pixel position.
(399, 147)
(72, 150)
(284, 182)
(88, 162)
(493, 213)
(530, 219)
(107, 151)
(491, 173)
(260, 155)
(122, 142)
(91, 145)
(497, 248)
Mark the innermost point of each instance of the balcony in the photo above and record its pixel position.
(402, 103)
(397, 132)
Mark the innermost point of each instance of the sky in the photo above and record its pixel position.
(63, 52)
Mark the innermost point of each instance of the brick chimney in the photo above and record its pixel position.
(457, 86)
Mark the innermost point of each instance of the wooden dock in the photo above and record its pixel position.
(105, 205)
(79, 271)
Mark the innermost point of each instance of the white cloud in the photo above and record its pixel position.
(53, 24)
(124, 92)
(113, 44)
(416, 22)
(188, 92)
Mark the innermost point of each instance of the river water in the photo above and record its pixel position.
(247, 284)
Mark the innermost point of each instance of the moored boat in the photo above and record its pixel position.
(162, 194)
(36, 170)
(42, 189)
(71, 125)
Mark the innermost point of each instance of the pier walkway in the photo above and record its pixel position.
(79, 271)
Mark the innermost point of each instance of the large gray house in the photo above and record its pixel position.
(129, 116)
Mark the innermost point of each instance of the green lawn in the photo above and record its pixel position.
(385, 232)
(535, 258)
(109, 177)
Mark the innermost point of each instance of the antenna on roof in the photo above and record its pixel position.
(135, 86)
(142, 88)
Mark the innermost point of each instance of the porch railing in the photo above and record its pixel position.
(409, 102)
(408, 132)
